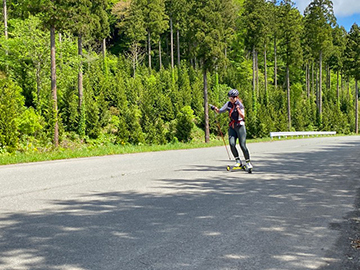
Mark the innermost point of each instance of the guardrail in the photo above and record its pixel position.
(300, 133)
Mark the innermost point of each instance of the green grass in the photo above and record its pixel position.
(103, 150)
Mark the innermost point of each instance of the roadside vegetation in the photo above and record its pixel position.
(85, 78)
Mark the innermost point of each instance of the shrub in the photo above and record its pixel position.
(185, 124)
(30, 123)
(11, 103)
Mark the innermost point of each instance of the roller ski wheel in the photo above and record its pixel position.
(234, 168)
(239, 168)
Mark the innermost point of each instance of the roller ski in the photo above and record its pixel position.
(248, 167)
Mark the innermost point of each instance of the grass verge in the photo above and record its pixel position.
(110, 149)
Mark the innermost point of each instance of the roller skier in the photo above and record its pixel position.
(237, 129)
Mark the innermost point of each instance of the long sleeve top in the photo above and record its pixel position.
(236, 112)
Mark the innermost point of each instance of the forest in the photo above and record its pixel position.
(133, 72)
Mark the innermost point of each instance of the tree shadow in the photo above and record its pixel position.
(279, 217)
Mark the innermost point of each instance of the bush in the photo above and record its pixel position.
(30, 123)
(185, 124)
(11, 103)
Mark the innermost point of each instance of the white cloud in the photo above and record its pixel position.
(342, 8)
(302, 4)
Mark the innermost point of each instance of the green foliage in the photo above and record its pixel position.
(30, 123)
(290, 33)
(27, 58)
(254, 20)
(185, 124)
(123, 131)
(265, 123)
(92, 118)
(208, 31)
(11, 104)
(319, 18)
(136, 135)
(88, 18)
(352, 52)
(156, 20)
(125, 103)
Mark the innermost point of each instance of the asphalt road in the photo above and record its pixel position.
(299, 209)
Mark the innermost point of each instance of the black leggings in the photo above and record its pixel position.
(240, 133)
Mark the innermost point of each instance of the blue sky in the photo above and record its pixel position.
(347, 12)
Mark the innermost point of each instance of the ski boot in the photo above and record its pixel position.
(248, 167)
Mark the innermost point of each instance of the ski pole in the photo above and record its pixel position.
(221, 134)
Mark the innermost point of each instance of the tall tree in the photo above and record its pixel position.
(319, 20)
(290, 29)
(339, 35)
(29, 48)
(53, 85)
(352, 65)
(5, 22)
(156, 22)
(54, 15)
(88, 18)
(177, 11)
(135, 30)
(209, 26)
(255, 21)
(274, 9)
(118, 11)
(5, 19)
(266, 38)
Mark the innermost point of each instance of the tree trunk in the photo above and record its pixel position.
(134, 52)
(60, 54)
(103, 48)
(5, 19)
(81, 108)
(275, 63)
(265, 77)
(328, 77)
(160, 60)
(312, 90)
(254, 96)
(38, 83)
(307, 80)
(53, 85)
(338, 87)
(288, 96)
(320, 85)
(257, 74)
(5, 29)
(80, 74)
(254, 68)
(342, 81)
(225, 54)
(172, 43)
(356, 107)
(134, 65)
(178, 46)
(317, 89)
(206, 108)
(149, 49)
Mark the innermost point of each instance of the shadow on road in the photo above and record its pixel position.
(290, 197)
